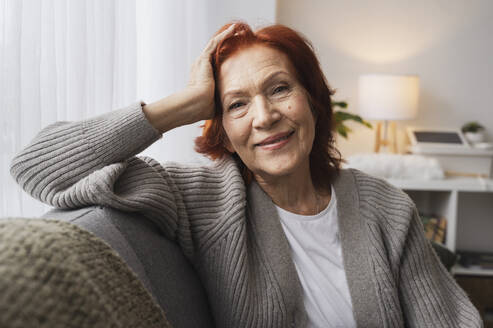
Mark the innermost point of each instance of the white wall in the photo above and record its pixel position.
(448, 43)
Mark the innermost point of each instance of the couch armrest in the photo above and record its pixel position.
(158, 262)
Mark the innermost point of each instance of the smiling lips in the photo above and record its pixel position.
(275, 141)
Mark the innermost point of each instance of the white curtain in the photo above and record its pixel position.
(73, 59)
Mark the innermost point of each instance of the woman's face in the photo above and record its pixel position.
(266, 113)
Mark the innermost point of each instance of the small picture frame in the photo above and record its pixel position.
(437, 137)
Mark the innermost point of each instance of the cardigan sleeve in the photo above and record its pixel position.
(93, 162)
(430, 297)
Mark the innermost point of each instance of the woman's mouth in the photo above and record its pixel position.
(276, 141)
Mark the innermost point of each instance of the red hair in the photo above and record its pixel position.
(325, 159)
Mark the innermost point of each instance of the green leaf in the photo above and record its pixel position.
(343, 130)
(344, 116)
(340, 116)
(341, 104)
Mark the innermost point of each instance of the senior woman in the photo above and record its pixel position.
(280, 235)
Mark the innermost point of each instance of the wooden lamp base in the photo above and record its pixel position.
(386, 141)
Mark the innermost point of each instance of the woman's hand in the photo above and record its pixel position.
(201, 81)
(196, 101)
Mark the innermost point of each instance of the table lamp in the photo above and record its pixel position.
(386, 97)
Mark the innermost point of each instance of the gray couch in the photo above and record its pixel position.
(158, 262)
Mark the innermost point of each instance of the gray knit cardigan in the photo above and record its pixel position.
(232, 234)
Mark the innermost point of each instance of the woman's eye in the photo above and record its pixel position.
(280, 88)
(235, 105)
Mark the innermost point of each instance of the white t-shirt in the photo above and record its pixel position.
(317, 255)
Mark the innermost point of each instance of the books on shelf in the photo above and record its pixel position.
(435, 227)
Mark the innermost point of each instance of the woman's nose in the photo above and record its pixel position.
(265, 114)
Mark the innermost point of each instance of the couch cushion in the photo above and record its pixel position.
(158, 262)
(54, 274)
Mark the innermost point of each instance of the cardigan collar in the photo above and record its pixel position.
(275, 247)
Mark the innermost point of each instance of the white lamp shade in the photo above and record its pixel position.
(388, 97)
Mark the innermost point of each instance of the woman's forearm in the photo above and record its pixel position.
(196, 101)
(181, 108)
(65, 152)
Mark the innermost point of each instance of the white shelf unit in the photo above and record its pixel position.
(466, 203)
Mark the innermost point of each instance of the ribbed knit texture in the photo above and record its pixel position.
(232, 234)
(55, 275)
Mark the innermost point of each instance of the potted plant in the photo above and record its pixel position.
(473, 131)
(341, 116)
